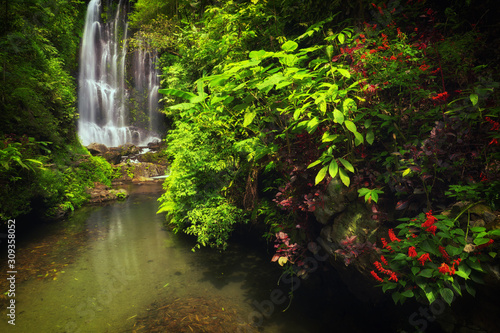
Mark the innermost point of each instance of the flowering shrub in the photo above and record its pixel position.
(432, 256)
(285, 252)
(350, 250)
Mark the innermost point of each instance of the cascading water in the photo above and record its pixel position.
(146, 81)
(103, 92)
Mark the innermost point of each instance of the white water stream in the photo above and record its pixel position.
(103, 89)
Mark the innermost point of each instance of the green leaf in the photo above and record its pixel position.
(358, 138)
(492, 254)
(177, 93)
(427, 273)
(257, 54)
(347, 165)
(341, 38)
(344, 177)
(406, 172)
(312, 124)
(453, 250)
(321, 175)
(363, 191)
(478, 229)
(481, 241)
(396, 297)
(495, 232)
(349, 105)
(430, 296)
(470, 290)
(344, 72)
(166, 207)
(313, 164)
(289, 46)
(447, 294)
(368, 123)
(350, 126)
(329, 51)
(249, 116)
(400, 256)
(388, 286)
(474, 99)
(475, 265)
(333, 168)
(370, 137)
(407, 293)
(415, 270)
(338, 116)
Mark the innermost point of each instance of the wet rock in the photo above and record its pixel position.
(128, 149)
(112, 156)
(334, 201)
(100, 193)
(140, 172)
(97, 148)
(354, 221)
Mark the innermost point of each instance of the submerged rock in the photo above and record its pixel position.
(102, 193)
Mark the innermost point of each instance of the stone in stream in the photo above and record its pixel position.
(97, 148)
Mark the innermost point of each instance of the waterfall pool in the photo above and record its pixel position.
(108, 266)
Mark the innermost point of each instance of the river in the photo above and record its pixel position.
(112, 267)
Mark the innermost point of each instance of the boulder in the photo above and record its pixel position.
(97, 148)
(354, 221)
(128, 149)
(112, 156)
(333, 201)
(102, 193)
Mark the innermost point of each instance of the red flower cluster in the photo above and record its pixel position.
(445, 254)
(384, 260)
(424, 67)
(385, 246)
(392, 275)
(429, 223)
(375, 275)
(412, 252)
(495, 124)
(445, 269)
(441, 97)
(423, 258)
(393, 237)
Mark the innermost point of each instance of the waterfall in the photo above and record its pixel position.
(146, 81)
(103, 95)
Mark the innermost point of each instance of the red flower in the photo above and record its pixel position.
(393, 237)
(384, 260)
(430, 220)
(445, 254)
(378, 278)
(441, 97)
(423, 258)
(432, 229)
(494, 141)
(444, 268)
(393, 277)
(424, 67)
(412, 252)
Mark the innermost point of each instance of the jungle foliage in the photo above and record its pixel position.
(43, 167)
(270, 106)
